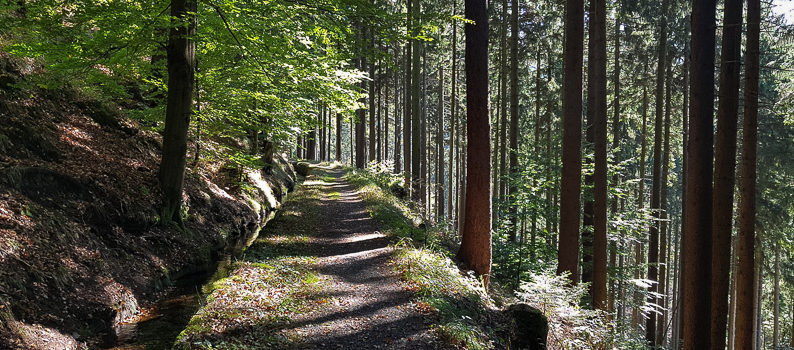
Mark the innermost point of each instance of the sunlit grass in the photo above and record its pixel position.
(272, 280)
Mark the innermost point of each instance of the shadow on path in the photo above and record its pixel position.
(366, 307)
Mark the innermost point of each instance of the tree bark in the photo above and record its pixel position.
(697, 312)
(663, 224)
(599, 78)
(179, 106)
(416, 160)
(776, 311)
(653, 244)
(440, 146)
(571, 186)
(454, 110)
(725, 170)
(407, 118)
(339, 137)
(746, 276)
(475, 248)
(514, 117)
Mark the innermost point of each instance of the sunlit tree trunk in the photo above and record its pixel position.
(776, 311)
(408, 93)
(663, 224)
(339, 137)
(475, 248)
(697, 311)
(179, 106)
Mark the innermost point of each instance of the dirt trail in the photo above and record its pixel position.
(369, 309)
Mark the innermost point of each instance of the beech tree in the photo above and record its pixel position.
(179, 107)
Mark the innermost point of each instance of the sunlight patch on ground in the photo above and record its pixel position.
(366, 237)
(363, 253)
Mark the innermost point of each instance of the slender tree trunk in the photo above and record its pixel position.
(440, 146)
(653, 244)
(423, 183)
(776, 311)
(639, 260)
(339, 137)
(616, 154)
(732, 305)
(759, 293)
(181, 71)
(697, 313)
(600, 177)
(746, 274)
(514, 117)
(398, 92)
(475, 248)
(663, 224)
(416, 145)
(724, 170)
(684, 188)
(589, 151)
(453, 112)
(408, 93)
(571, 185)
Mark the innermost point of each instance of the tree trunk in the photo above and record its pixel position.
(732, 305)
(638, 248)
(653, 244)
(776, 311)
(408, 93)
(663, 224)
(514, 117)
(339, 137)
(181, 72)
(745, 253)
(440, 146)
(600, 133)
(453, 112)
(416, 145)
(697, 313)
(616, 157)
(398, 92)
(684, 187)
(571, 185)
(423, 139)
(372, 124)
(475, 248)
(361, 126)
(725, 170)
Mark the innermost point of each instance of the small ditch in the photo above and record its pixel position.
(159, 326)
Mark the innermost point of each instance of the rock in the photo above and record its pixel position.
(531, 327)
(303, 168)
(398, 191)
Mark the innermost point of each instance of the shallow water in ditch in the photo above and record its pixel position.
(160, 324)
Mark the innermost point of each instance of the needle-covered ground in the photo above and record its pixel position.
(320, 276)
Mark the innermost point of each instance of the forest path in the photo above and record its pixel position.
(369, 308)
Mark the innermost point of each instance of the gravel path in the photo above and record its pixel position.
(367, 307)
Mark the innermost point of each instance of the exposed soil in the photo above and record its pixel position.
(371, 309)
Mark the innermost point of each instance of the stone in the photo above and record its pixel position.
(531, 327)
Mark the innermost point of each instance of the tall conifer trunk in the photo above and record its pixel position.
(571, 185)
(599, 289)
(514, 117)
(475, 248)
(697, 254)
(746, 273)
(725, 169)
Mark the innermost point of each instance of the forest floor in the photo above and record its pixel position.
(320, 275)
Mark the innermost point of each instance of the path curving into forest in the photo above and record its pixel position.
(369, 308)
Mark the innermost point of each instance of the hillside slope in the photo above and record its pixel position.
(81, 248)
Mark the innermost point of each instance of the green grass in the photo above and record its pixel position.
(274, 279)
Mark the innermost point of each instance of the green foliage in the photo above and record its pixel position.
(572, 326)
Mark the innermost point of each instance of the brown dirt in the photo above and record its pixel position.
(370, 308)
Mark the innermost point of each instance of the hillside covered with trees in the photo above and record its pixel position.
(634, 156)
